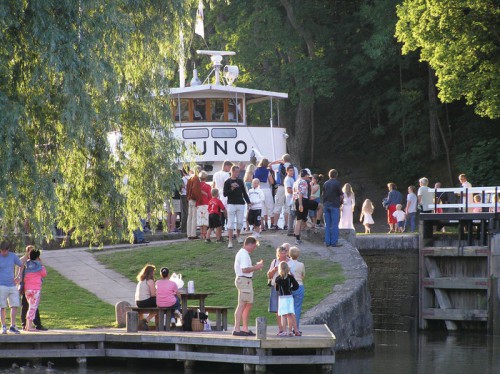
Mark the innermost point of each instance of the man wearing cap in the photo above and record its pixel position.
(244, 271)
(332, 199)
(301, 191)
(8, 290)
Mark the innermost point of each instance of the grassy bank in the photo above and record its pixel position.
(67, 306)
(64, 305)
(210, 266)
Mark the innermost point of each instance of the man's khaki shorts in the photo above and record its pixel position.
(245, 289)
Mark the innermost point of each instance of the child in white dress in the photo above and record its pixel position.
(366, 215)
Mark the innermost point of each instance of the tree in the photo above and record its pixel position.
(281, 47)
(461, 42)
(71, 73)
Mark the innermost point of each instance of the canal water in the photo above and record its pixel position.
(393, 353)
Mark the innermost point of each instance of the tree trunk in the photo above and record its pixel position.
(304, 118)
(433, 116)
(302, 129)
(436, 128)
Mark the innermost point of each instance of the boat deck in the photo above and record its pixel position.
(315, 347)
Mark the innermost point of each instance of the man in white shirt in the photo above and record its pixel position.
(466, 184)
(424, 196)
(244, 271)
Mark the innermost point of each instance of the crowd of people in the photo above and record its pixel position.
(427, 200)
(21, 278)
(254, 198)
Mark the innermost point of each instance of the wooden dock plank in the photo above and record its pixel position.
(295, 359)
(456, 283)
(219, 346)
(51, 353)
(467, 251)
(456, 314)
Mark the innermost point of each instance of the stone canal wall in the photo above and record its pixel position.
(346, 311)
(392, 262)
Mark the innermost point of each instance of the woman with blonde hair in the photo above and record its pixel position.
(145, 292)
(285, 285)
(247, 179)
(266, 177)
(347, 208)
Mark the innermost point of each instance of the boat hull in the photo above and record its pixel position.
(214, 145)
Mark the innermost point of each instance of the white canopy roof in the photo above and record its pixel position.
(219, 91)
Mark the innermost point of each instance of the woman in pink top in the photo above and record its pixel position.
(167, 294)
(34, 273)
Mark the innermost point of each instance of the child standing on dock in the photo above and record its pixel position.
(285, 284)
(366, 215)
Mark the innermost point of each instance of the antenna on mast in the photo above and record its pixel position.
(216, 58)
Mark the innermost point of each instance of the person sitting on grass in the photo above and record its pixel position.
(145, 292)
(167, 294)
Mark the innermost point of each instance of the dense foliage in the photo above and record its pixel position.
(460, 40)
(71, 74)
(354, 96)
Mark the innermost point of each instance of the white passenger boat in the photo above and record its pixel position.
(214, 118)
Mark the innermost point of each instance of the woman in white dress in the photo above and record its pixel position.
(347, 208)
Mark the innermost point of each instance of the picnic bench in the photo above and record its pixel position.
(219, 311)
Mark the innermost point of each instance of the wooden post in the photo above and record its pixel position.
(132, 321)
(494, 296)
(248, 368)
(261, 323)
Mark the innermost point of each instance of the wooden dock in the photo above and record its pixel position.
(315, 347)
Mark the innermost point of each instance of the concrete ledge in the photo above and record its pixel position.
(387, 242)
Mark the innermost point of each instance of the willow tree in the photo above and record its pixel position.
(71, 74)
(461, 42)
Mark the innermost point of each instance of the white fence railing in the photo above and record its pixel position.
(461, 199)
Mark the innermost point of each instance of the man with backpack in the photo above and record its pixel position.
(279, 167)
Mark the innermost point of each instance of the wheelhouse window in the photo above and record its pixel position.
(208, 110)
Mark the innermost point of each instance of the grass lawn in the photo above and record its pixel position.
(210, 266)
(64, 305)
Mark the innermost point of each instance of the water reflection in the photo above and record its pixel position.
(425, 353)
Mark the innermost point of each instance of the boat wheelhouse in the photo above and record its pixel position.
(214, 118)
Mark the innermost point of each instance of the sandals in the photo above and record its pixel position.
(298, 333)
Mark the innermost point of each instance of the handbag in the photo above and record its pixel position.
(270, 281)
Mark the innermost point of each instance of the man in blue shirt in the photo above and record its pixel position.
(332, 199)
(8, 290)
